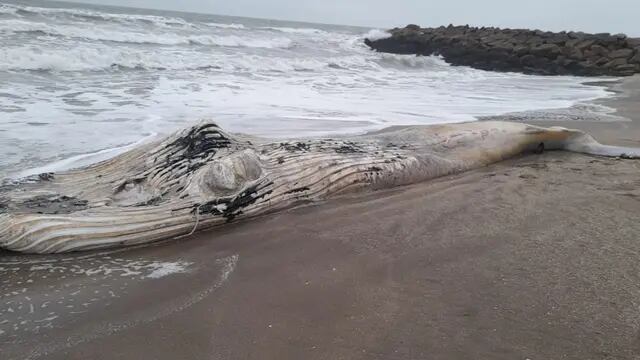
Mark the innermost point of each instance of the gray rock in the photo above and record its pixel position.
(599, 50)
(603, 37)
(575, 35)
(575, 53)
(519, 50)
(590, 55)
(633, 42)
(546, 50)
(584, 44)
(616, 63)
(621, 54)
(528, 60)
(628, 70)
(534, 41)
(572, 43)
(501, 44)
(628, 67)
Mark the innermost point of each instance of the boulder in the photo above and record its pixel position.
(528, 60)
(546, 50)
(621, 54)
(501, 44)
(575, 35)
(521, 50)
(603, 38)
(584, 44)
(628, 67)
(628, 70)
(575, 53)
(633, 42)
(599, 50)
(616, 63)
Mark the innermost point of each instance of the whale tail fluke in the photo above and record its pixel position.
(586, 144)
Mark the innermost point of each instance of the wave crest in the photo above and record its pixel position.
(225, 26)
(413, 62)
(99, 34)
(103, 58)
(305, 31)
(84, 14)
(7, 9)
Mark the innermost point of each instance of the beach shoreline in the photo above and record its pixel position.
(606, 127)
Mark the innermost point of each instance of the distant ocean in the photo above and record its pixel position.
(80, 79)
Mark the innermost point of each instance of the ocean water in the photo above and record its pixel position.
(78, 79)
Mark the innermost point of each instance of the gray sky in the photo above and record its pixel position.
(587, 15)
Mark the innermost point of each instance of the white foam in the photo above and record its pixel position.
(160, 38)
(433, 64)
(306, 31)
(107, 58)
(90, 15)
(237, 41)
(101, 57)
(32, 58)
(7, 9)
(225, 26)
(162, 269)
(377, 34)
(114, 267)
(98, 57)
(81, 160)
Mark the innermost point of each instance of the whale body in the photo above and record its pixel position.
(203, 177)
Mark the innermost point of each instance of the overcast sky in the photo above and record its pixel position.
(587, 15)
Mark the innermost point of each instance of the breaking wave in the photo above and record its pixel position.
(306, 31)
(7, 9)
(100, 34)
(103, 58)
(377, 34)
(78, 59)
(89, 15)
(225, 26)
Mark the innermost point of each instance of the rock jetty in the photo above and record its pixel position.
(519, 50)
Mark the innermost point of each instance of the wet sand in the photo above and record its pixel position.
(627, 105)
(535, 257)
(604, 127)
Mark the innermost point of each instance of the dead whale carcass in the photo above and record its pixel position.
(202, 177)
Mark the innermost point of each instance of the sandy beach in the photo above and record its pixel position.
(531, 258)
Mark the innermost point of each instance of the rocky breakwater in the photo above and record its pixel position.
(518, 50)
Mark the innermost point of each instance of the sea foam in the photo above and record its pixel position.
(376, 34)
(159, 38)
